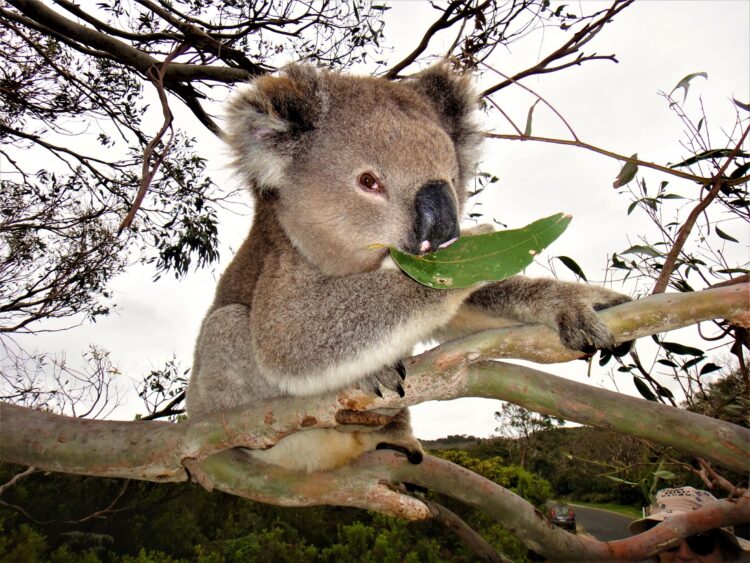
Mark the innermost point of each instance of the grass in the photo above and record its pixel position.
(629, 511)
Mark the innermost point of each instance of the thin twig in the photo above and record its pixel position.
(16, 478)
(581, 145)
(157, 77)
(539, 97)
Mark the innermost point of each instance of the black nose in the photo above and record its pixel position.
(436, 218)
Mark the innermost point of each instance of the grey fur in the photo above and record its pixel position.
(307, 306)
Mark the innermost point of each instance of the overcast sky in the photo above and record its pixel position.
(615, 106)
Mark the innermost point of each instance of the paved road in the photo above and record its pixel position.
(602, 524)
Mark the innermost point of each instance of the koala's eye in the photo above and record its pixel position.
(369, 183)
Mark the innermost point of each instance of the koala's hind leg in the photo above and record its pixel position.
(322, 449)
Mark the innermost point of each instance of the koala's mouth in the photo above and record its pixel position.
(426, 246)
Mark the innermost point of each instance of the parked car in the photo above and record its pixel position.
(563, 515)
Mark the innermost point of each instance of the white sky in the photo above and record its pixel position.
(614, 106)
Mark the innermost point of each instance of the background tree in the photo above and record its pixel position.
(520, 425)
(98, 73)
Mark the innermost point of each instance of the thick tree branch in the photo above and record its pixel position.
(122, 52)
(242, 476)
(152, 450)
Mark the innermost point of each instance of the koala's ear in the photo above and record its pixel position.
(266, 116)
(457, 104)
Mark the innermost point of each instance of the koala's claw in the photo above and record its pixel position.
(399, 367)
(581, 329)
(388, 378)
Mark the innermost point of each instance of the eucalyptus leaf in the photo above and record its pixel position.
(573, 266)
(486, 257)
(527, 130)
(627, 173)
(725, 236)
(681, 349)
(643, 389)
(685, 83)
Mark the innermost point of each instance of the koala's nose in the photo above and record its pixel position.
(436, 220)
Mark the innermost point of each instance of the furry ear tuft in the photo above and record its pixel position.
(457, 104)
(267, 116)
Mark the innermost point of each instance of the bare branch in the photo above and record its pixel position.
(476, 543)
(443, 22)
(570, 47)
(17, 478)
(156, 75)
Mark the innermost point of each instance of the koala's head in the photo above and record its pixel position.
(351, 161)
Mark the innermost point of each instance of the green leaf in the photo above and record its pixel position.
(664, 474)
(664, 392)
(725, 236)
(681, 349)
(685, 83)
(486, 257)
(527, 130)
(739, 104)
(618, 480)
(740, 171)
(641, 249)
(573, 266)
(705, 155)
(627, 173)
(709, 367)
(643, 389)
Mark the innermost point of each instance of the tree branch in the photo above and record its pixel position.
(153, 450)
(621, 157)
(242, 476)
(122, 52)
(476, 543)
(579, 39)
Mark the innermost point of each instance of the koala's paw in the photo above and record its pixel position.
(387, 378)
(413, 454)
(580, 328)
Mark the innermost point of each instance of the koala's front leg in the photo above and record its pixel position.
(569, 308)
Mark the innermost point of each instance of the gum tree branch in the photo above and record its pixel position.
(121, 51)
(240, 475)
(154, 451)
(581, 145)
(570, 47)
(443, 22)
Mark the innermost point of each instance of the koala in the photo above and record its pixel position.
(336, 164)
